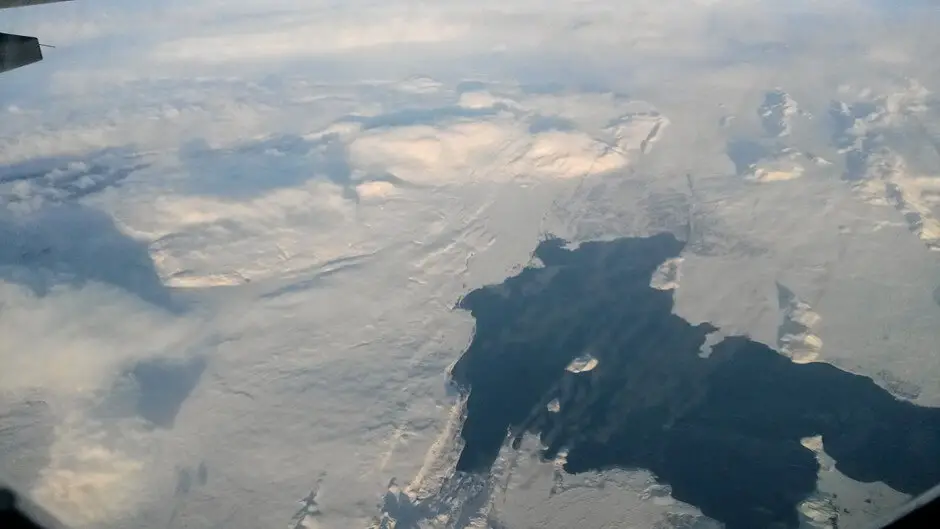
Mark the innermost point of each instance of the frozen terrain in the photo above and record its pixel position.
(234, 241)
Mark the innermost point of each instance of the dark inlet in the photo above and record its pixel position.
(723, 431)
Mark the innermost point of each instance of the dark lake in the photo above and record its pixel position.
(723, 431)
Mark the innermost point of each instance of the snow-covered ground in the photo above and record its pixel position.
(284, 201)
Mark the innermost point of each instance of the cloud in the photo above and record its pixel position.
(316, 37)
(62, 342)
(40, 180)
(70, 244)
(67, 349)
(497, 141)
(90, 481)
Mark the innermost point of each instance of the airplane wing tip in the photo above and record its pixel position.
(17, 51)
